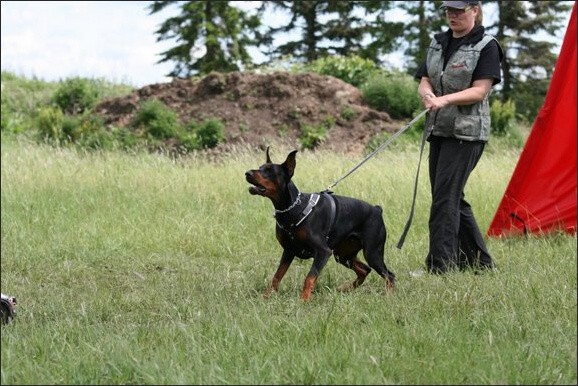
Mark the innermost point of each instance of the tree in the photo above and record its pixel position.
(211, 36)
(425, 20)
(384, 35)
(529, 61)
(307, 46)
(323, 28)
(215, 36)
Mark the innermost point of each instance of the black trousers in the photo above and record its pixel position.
(455, 240)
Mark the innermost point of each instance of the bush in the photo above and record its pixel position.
(210, 133)
(57, 128)
(312, 136)
(394, 93)
(157, 120)
(49, 122)
(22, 99)
(503, 116)
(206, 135)
(76, 95)
(351, 69)
(125, 138)
(12, 122)
(348, 113)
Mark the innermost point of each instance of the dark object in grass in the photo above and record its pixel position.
(8, 304)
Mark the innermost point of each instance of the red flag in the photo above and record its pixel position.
(541, 195)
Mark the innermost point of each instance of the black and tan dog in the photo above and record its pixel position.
(318, 224)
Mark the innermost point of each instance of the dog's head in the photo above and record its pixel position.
(271, 179)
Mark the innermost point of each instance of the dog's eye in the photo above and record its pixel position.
(268, 171)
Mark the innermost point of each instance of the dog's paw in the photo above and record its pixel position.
(268, 292)
(389, 285)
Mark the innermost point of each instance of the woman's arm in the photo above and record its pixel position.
(476, 93)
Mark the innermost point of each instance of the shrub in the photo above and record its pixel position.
(348, 113)
(125, 138)
(312, 136)
(503, 116)
(76, 95)
(12, 122)
(157, 120)
(205, 135)
(351, 69)
(189, 142)
(394, 93)
(210, 133)
(98, 140)
(49, 122)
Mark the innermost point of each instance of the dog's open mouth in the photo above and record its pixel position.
(257, 189)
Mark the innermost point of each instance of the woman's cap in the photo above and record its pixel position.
(458, 4)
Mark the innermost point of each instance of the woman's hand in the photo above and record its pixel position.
(432, 103)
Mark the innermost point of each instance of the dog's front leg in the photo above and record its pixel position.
(286, 260)
(319, 261)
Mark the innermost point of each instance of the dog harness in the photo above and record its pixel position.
(313, 200)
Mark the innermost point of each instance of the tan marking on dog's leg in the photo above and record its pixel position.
(308, 288)
(361, 275)
(389, 285)
(274, 286)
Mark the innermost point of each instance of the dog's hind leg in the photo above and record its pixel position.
(374, 251)
(375, 261)
(284, 264)
(360, 269)
(346, 254)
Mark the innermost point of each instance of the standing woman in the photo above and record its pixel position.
(462, 65)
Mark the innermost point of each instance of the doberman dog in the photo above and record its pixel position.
(320, 224)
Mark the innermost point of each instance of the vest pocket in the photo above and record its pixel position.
(472, 127)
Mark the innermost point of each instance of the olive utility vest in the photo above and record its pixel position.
(468, 122)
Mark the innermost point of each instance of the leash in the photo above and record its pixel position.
(410, 218)
(381, 147)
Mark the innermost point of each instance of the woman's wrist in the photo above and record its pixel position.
(427, 95)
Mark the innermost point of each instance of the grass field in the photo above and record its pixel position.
(139, 269)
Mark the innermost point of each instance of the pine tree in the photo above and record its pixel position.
(211, 36)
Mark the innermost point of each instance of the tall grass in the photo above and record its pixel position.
(139, 269)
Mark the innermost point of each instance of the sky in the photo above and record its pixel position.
(55, 40)
(114, 40)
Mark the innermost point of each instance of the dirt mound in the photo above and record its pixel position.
(261, 109)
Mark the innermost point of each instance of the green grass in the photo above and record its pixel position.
(139, 269)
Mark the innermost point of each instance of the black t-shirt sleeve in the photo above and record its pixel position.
(421, 71)
(488, 66)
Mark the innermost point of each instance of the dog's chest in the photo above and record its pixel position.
(292, 241)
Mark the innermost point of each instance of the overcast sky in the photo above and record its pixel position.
(55, 40)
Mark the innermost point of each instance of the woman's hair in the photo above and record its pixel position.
(480, 16)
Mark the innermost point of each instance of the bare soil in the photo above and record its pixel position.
(264, 109)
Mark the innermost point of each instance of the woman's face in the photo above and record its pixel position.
(461, 21)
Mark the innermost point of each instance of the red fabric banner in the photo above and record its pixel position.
(541, 195)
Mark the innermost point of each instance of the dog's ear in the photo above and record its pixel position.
(268, 159)
(289, 164)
